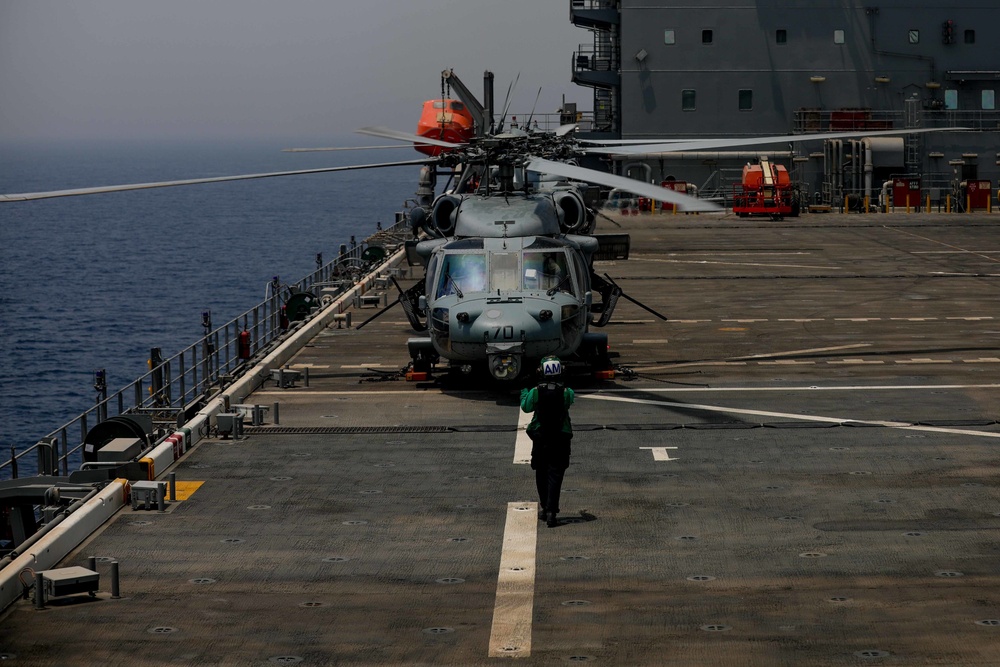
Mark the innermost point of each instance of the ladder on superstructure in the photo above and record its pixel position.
(912, 121)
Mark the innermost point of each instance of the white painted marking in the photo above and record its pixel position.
(854, 362)
(522, 443)
(686, 364)
(369, 366)
(650, 390)
(705, 261)
(660, 453)
(788, 415)
(913, 319)
(803, 319)
(686, 390)
(649, 341)
(809, 351)
(946, 245)
(983, 360)
(924, 360)
(687, 321)
(970, 319)
(857, 319)
(743, 321)
(510, 636)
(737, 361)
(786, 362)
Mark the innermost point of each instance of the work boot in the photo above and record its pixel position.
(541, 514)
(551, 522)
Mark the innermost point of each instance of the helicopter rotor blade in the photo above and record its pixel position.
(630, 142)
(340, 148)
(380, 313)
(612, 181)
(387, 133)
(29, 196)
(708, 144)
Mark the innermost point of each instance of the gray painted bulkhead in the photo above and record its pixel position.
(800, 84)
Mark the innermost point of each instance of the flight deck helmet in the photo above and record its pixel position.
(551, 367)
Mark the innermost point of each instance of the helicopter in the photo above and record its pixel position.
(509, 255)
(509, 250)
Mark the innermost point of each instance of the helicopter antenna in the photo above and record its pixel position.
(506, 104)
(527, 125)
(443, 97)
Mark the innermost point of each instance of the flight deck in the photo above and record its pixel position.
(797, 467)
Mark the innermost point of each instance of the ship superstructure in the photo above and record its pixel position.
(744, 68)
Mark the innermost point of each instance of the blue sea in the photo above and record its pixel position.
(94, 282)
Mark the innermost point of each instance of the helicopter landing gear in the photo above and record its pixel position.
(594, 351)
(423, 358)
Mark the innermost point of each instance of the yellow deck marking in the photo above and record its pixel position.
(511, 633)
(185, 489)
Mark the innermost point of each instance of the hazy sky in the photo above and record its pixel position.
(176, 69)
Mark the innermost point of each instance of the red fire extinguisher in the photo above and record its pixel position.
(244, 344)
(284, 318)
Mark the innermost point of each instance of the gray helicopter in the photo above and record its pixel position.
(509, 255)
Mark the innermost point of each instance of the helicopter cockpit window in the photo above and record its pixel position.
(503, 272)
(462, 273)
(547, 270)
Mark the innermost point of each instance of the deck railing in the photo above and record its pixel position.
(175, 385)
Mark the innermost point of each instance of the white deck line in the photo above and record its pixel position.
(522, 444)
(510, 636)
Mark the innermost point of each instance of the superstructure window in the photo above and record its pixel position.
(989, 100)
(781, 36)
(951, 100)
(838, 36)
(746, 100)
(687, 100)
(913, 36)
(706, 36)
(970, 36)
(669, 37)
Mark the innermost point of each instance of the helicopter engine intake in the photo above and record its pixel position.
(572, 211)
(444, 214)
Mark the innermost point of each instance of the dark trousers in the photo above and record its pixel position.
(549, 460)
(549, 481)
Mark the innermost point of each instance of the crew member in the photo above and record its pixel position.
(550, 431)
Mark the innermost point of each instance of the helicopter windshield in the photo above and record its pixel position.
(547, 270)
(503, 272)
(462, 273)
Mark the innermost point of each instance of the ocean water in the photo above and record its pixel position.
(94, 282)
